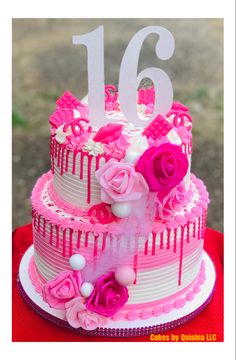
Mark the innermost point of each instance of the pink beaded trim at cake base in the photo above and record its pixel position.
(148, 310)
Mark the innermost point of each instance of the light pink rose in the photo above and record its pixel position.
(168, 204)
(61, 289)
(78, 316)
(118, 147)
(120, 182)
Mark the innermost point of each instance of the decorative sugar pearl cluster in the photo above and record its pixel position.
(77, 263)
(124, 274)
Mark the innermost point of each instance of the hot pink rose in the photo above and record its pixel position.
(163, 167)
(120, 182)
(78, 316)
(118, 147)
(61, 289)
(169, 203)
(108, 296)
(108, 133)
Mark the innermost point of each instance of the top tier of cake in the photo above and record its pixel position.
(79, 150)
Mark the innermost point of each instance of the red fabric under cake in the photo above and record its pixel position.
(29, 326)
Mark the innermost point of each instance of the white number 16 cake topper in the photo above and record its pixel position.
(129, 80)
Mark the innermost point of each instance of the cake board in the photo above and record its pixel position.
(164, 322)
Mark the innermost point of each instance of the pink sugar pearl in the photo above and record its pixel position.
(125, 275)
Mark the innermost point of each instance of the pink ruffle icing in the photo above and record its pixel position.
(85, 224)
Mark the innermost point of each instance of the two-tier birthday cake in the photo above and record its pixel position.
(118, 222)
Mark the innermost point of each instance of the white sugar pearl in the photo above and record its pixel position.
(77, 262)
(86, 289)
(121, 210)
(131, 157)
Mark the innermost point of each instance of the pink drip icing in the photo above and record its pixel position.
(51, 235)
(194, 229)
(57, 236)
(190, 148)
(146, 248)
(74, 162)
(199, 228)
(39, 217)
(104, 241)
(58, 155)
(62, 159)
(86, 239)
(71, 243)
(204, 220)
(97, 162)
(55, 149)
(44, 227)
(81, 175)
(115, 228)
(181, 255)
(175, 239)
(89, 179)
(188, 232)
(153, 243)
(67, 160)
(95, 251)
(78, 238)
(161, 239)
(135, 267)
(168, 238)
(64, 243)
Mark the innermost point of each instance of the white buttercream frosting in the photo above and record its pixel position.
(94, 148)
(61, 135)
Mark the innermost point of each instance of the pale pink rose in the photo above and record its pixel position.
(61, 289)
(120, 182)
(169, 203)
(118, 147)
(78, 316)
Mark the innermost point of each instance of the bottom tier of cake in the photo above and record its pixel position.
(190, 303)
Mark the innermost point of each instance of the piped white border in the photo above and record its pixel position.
(175, 314)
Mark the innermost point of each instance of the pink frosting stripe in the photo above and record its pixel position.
(144, 310)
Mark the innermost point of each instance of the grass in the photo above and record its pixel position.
(18, 120)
